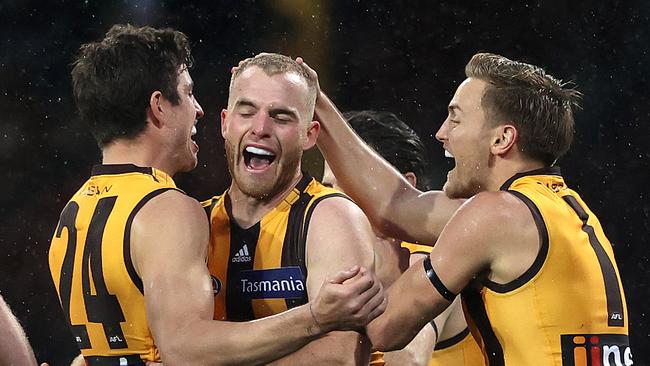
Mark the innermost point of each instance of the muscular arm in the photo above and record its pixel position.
(14, 347)
(475, 241)
(169, 243)
(327, 252)
(391, 203)
(418, 351)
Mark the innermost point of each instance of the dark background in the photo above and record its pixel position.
(399, 56)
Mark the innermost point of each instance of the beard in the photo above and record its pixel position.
(458, 188)
(273, 183)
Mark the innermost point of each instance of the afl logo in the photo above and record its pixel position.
(216, 285)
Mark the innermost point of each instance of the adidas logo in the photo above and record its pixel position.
(242, 255)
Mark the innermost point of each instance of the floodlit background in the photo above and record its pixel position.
(406, 57)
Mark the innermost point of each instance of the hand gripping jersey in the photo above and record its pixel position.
(261, 271)
(90, 262)
(459, 350)
(568, 308)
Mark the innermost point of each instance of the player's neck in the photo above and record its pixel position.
(247, 210)
(133, 152)
(507, 168)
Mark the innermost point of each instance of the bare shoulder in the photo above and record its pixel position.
(167, 222)
(494, 208)
(171, 208)
(488, 222)
(337, 225)
(340, 217)
(337, 208)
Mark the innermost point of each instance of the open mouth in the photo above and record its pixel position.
(257, 158)
(195, 146)
(448, 154)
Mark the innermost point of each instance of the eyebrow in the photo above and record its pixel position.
(281, 110)
(454, 106)
(245, 103)
(272, 112)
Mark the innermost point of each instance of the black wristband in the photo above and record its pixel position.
(435, 281)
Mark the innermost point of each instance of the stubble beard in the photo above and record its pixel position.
(269, 188)
(462, 189)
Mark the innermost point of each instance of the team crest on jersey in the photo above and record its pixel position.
(216, 285)
(275, 283)
(596, 350)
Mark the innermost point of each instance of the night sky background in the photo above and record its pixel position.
(406, 57)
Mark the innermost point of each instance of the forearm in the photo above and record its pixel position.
(412, 303)
(357, 168)
(416, 353)
(14, 347)
(257, 342)
(336, 348)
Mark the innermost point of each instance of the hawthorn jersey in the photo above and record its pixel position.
(90, 262)
(568, 308)
(460, 350)
(261, 271)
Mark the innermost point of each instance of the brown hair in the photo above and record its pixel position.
(540, 106)
(114, 78)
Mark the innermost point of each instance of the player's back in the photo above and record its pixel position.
(90, 261)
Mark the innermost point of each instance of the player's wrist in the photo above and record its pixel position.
(315, 328)
(320, 322)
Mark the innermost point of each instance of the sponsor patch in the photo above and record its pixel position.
(596, 350)
(275, 283)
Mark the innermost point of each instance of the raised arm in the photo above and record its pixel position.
(170, 240)
(14, 347)
(327, 252)
(391, 203)
(475, 241)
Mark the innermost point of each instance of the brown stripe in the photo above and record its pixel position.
(128, 262)
(452, 341)
(493, 351)
(612, 290)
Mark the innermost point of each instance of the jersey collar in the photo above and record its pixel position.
(550, 170)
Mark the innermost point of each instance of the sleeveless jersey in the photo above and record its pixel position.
(461, 349)
(568, 308)
(261, 271)
(90, 263)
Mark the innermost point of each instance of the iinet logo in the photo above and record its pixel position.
(596, 350)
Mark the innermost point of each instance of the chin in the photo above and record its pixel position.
(189, 166)
(257, 191)
(454, 192)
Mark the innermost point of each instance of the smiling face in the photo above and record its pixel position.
(266, 128)
(466, 136)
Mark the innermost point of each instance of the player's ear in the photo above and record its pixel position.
(155, 111)
(411, 178)
(224, 114)
(504, 139)
(313, 130)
